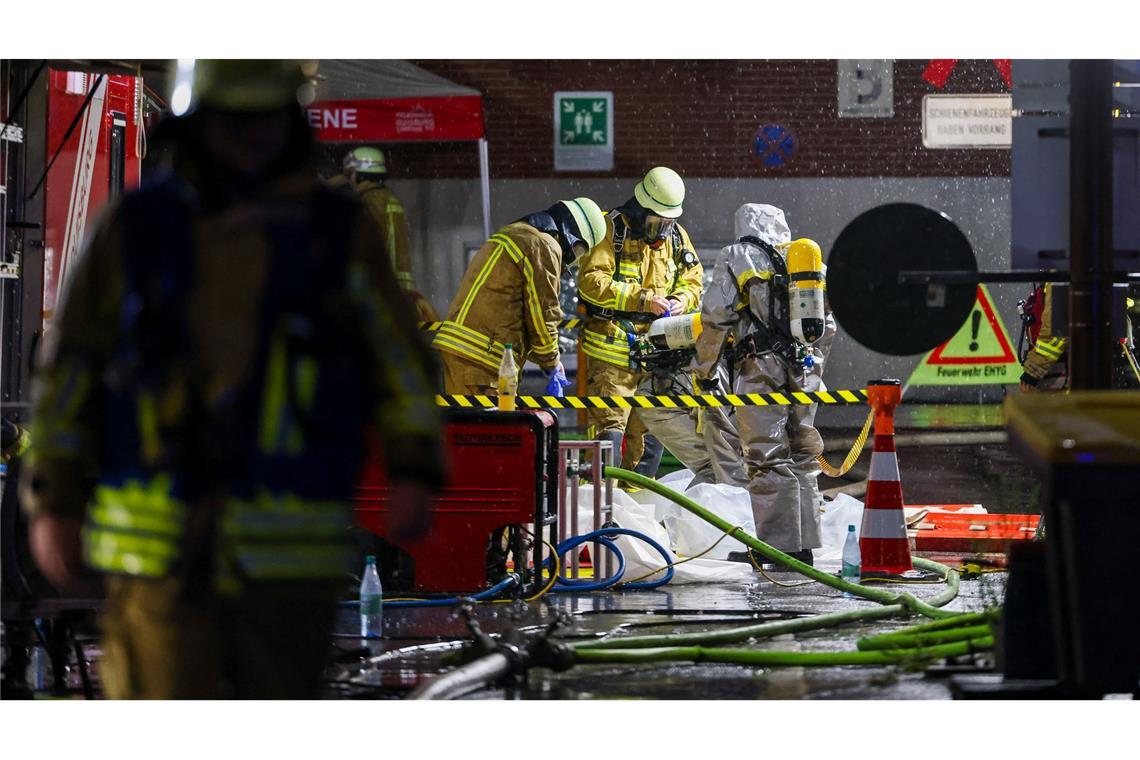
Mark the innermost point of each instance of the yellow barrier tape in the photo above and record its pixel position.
(683, 401)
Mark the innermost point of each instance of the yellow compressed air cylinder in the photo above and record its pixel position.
(805, 290)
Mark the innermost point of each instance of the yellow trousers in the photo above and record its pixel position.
(157, 644)
(605, 379)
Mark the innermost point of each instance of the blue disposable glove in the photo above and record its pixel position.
(557, 382)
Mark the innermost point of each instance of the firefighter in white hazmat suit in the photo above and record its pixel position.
(748, 298)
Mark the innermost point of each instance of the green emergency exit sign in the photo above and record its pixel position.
(584, 121)
(583, 131)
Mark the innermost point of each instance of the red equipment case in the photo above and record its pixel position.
(503, 472)
(972, 533)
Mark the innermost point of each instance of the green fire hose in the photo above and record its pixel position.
(785, 659)
(928, 608)
(952, 634)
(743, 633)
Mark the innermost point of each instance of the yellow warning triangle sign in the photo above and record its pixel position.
(980, 353)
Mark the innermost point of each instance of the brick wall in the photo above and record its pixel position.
(699, 117)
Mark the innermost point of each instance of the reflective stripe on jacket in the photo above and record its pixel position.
(509, 294)
(137, 529)
(1048, 349)
(387, 211)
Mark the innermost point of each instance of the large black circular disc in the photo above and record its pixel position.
(863, 279)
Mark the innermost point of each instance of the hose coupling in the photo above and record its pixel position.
(549, 654)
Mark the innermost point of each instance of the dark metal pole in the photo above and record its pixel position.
(1090, 225)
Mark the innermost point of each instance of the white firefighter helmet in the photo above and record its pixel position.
(589, 218)
(366, 160)
(661, 192)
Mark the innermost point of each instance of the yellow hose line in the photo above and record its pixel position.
(852, 456)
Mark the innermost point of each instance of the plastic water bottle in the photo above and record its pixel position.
(371, 601)
(39, 669)
(851, 559)
(508, 380)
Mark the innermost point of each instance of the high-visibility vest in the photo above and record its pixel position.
(279, 462)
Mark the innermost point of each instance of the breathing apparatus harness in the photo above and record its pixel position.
(774, 335)
(663, 363)
(684, 259)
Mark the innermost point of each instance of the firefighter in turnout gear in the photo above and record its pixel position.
(778, 347)
(364, 171)
(227, 341)
(1045, 366)
(509, 294)
(644, 269)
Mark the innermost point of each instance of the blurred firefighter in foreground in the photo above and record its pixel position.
(1044, 366)
(767, 292)
(226, 340)
(645, 268)
(364, 170)
(509, 295)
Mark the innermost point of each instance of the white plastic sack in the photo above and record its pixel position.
(663, 507)
(640, 557)
(692, 535)
(837, 514)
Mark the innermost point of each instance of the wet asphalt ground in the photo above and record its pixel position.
(410, 635)
(420, 643)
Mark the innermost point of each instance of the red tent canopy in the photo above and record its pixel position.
(396, 101)
(391, 101)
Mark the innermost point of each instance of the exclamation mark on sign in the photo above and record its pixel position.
(977, 319)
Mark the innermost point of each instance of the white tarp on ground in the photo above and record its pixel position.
(837, 514)
(641, 558)
(690, 534)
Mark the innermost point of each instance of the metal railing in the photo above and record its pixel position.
(571, 469)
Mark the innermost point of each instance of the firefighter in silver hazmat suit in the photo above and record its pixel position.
(704, 440)
(780, 443)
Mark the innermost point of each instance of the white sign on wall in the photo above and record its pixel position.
(583, 131)
(967, 121)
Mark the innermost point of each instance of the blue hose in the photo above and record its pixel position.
(594, 584)
(602, 537)
(481, 596)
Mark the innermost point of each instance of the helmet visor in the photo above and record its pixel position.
(657, 228)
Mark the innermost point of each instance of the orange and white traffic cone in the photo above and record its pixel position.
(883, 544)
